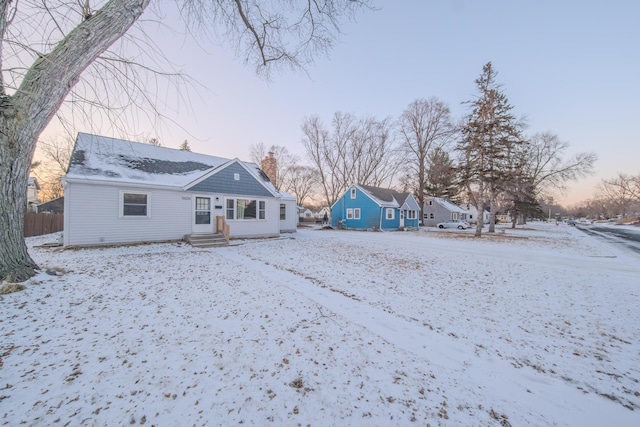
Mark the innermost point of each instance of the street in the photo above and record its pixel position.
(627, 238)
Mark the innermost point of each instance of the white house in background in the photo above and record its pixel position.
(473, 213)
(321, 213)
(32, 193)
(119, 191)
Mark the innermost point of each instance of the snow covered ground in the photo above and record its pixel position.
(535, 326)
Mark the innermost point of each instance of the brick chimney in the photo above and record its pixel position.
(269, 166)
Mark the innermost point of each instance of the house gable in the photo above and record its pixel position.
(373, 207)
(232, 178)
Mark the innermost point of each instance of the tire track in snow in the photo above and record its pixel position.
(492, 380)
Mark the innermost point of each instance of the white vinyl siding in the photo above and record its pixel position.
(93, 216)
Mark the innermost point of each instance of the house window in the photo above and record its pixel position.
(135, 204)
(283, 211)
(349, 213)
(231, 203)
(262, 209)
(432, 216)
(430, 202)
(390, 213)
(236, 176)
(356, 213)
(353, 193)
(412, 215)
(246, 209)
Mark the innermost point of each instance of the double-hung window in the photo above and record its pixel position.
(349, 213)
(262, 207)
(390, 213)
(356, 213)
(283, 211)
(134, 204)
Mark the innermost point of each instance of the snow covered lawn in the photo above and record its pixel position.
(535, 326)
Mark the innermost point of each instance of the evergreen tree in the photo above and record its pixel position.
(185, 146)
(441, 175)
(489, 137)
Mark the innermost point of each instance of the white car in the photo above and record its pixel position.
(454, 223)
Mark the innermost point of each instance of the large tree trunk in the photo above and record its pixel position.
(24, 115)
(492, 211)
(15, 263)
(480, 209)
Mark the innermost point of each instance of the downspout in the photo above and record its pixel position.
(380, 228)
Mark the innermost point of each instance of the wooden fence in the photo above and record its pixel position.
(37, 224)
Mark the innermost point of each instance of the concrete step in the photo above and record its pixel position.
(206, 240)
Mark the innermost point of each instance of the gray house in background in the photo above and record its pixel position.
(437, 209)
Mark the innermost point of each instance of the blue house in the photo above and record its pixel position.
(363, 207)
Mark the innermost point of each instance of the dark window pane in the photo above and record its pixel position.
(135, 210)
(138, 199)
(203, 218)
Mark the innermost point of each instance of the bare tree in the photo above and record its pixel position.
(285, 162)
(54, 157)
(40, 68)
(547, 166)
(620, 192)
(303, 181)
(424, 126)
(358, 151)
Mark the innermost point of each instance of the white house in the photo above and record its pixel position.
(32, 193)
(119, 191)
(473, 214)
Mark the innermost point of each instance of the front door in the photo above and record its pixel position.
(202, 221)
(401, 218)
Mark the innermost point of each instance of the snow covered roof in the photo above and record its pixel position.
(100, 158)
(451, 207)
(385, 197)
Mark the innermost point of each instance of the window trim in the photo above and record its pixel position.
(349, 213)
(121, 204)
(260, 207)
(353, 193)
(283, 211)
(356, 213)
(390, 214)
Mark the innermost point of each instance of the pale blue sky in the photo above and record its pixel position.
(571, 67)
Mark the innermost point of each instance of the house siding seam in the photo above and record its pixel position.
(223, 181)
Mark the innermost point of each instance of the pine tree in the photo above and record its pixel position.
(489, 137)
(441, 175)
(185, 146)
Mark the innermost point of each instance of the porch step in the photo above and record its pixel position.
(206, 240)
